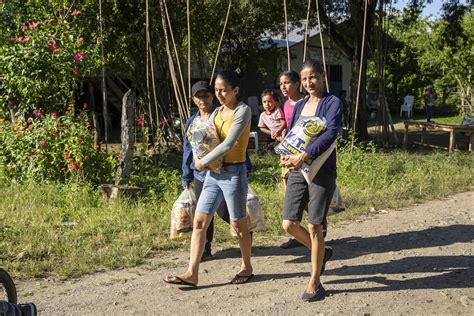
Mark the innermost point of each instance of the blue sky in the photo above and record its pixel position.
(432, 9)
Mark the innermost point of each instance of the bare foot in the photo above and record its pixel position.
(312, 287)
(185, 278)
(244, 271)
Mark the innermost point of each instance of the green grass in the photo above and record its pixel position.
(116, 234)
(452, 119)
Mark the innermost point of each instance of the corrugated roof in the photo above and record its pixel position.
(295, 36)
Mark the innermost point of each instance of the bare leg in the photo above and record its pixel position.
(284, 180)
(317, 255)
(245, 243)
(296, 230)
(198, 240)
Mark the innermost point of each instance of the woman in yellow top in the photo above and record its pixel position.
(232, 122)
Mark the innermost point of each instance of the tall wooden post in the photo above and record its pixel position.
(125, 166)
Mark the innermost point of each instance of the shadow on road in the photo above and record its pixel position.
(353, 247)
(450, 272)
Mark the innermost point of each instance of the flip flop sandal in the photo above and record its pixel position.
(241, 279)
(178, 281)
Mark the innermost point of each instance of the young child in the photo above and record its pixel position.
(272, 120)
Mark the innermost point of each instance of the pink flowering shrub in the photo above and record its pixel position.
(44, 58)
(52, 147)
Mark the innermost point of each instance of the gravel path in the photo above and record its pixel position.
(416, 260)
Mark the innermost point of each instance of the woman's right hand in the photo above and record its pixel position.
(198, 165)
(293, 162)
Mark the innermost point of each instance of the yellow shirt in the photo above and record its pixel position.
(237, 153)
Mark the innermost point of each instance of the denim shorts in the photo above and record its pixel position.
(230, 185)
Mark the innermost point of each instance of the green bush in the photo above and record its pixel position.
(49, 147)
(43, 59)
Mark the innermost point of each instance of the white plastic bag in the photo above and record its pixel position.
(337, 204)
(203, 138)
(182, 214)
(295, 142)
(255, 217)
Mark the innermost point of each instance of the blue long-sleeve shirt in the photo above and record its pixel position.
(189, 172)
(329, 107)
(187, 166)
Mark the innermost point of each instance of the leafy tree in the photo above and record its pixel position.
(423, 51)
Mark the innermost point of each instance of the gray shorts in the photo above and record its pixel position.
(316, 196)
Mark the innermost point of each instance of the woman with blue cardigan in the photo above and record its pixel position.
(316, 195)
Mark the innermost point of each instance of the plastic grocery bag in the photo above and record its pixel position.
(295, 142)
(255, 218)
(182, 214)
(337, 204)
(203, 138)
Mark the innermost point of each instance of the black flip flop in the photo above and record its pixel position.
(178, 281)
(241, 279)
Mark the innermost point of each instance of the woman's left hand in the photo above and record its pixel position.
(198, 165)
(293, 162)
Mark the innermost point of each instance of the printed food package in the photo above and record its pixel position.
(182, 214)
(203, 138)
(300, 135)
(295, 142)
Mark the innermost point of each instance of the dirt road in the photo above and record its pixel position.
(416, 260)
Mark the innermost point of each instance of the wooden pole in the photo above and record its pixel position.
(322, 46)
(360, 66)
(286, 32)
(220, 41)
(306, 32)
(189, 58)
(105, 109)
(126, 155)
(148, 65)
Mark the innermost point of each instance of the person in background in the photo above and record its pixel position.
(203, 99)
(346, 107)
(290, 88)
(430, 102)
(317, 195)
(272, 120)
(232, 122)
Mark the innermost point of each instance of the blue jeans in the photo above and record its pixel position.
(429, 112)
(230, 185)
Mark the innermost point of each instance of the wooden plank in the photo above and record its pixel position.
(431, 146)
(440, 127)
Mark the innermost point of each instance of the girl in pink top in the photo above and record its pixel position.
(289, 86)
